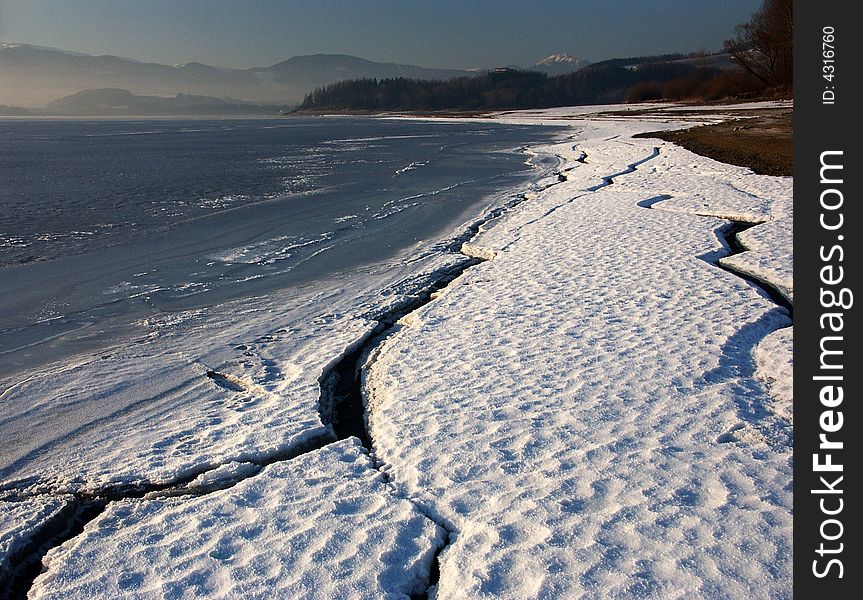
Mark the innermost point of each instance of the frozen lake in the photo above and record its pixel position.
(107, 223)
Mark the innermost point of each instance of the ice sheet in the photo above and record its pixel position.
(148, 414)
(25, 524)
(324, 525)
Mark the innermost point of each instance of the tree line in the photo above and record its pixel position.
(602, 83)
(761, 49)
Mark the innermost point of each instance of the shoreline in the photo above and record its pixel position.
(479, 329)
(456, 209)
(761, 142)
(738, 149)
(81, 506)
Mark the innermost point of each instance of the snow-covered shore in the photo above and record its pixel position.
(600, 409)
(584, 410)
(324, 525)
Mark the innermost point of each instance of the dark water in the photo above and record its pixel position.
(104, 220)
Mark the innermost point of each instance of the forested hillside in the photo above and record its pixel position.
(608, 82)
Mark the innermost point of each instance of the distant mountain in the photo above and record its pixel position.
(117, 102)
(12, 111)
(32, 76)
(316, 70)
(559, 64)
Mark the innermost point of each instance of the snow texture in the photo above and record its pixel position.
(583, 410)
(769, 257)
(148, 414)
(775, 365)
(167, 418)
(23, 520)
(324, 525)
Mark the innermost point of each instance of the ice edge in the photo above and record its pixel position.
(341, 406)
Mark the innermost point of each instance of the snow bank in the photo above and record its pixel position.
(583, 410)
(324, 525)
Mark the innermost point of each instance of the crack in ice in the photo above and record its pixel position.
(776, 429)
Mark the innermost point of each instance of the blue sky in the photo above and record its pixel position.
(443, 33)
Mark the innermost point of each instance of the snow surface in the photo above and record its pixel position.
(769, 257)
(583, 410)
(20, 521)
(167, 419)
(740, 106)
(153, 416)
(324, 525)
(775, 365)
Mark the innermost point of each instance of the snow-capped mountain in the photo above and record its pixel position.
(558, 64)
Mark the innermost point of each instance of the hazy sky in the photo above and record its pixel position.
(433, 33)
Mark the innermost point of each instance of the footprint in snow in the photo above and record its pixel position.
(225, 381)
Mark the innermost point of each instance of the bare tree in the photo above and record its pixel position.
(764, 45)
